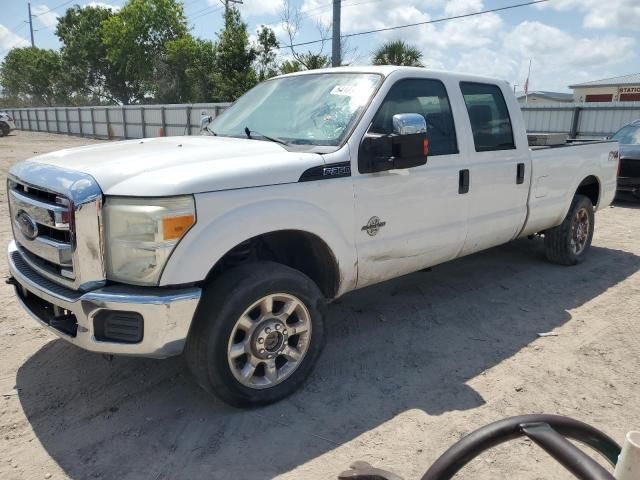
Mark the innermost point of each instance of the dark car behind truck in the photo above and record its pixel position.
(629, 168)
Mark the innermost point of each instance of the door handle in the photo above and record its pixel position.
(463, 181)
(520, 174)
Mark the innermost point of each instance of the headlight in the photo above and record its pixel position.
(141, 233)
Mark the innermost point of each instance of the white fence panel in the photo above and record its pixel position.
(580, 119)
(142, 121)
(131, 121)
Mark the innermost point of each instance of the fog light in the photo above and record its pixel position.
(118, 326)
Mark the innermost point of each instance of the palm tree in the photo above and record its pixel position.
(397, 52)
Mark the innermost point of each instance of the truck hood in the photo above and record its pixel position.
(183, 165)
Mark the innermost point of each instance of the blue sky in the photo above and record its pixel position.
(569, 41)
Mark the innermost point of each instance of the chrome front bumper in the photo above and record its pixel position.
(167, 314)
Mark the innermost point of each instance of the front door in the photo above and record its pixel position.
(412, 218)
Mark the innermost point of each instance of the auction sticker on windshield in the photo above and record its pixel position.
(344, 90)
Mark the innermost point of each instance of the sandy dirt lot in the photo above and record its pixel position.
(410, 367)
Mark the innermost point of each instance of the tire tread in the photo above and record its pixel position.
(556, 240)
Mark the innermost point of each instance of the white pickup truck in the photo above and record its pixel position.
(227, 247)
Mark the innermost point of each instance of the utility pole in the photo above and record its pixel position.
(336, 61)
(226, 7)
(33, 44)
(526, 85)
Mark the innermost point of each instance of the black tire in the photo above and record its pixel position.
(559, 241)
(4, 129)
(223, 302)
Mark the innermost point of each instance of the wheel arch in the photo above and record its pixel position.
(591, 188)
(316, 237)
(298, 249)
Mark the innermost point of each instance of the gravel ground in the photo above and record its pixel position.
(410, 367)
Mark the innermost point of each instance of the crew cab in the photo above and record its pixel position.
(227, 247)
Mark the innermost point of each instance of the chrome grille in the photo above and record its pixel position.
(56, 216)
(48, 242)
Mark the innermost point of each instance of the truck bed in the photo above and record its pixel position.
(557, 172)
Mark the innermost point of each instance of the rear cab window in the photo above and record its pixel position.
(489, 116)
(427, 97)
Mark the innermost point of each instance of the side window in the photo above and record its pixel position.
(489, 116)
(429, 99)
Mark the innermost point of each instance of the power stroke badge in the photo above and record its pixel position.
(373, 226)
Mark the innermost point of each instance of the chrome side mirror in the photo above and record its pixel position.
(205, 120)
(409, 123)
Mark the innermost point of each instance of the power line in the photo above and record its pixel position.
(205, 9)
(54, 8)
(206, 13)
(437, 20)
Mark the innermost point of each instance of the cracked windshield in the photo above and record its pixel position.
(303, 110)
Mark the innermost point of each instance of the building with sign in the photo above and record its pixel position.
(616, 89)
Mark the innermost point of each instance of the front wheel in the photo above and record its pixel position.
(257, 333)
(568, 243)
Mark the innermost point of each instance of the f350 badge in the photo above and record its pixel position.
(373, 226)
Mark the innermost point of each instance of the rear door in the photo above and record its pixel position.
(498, 164)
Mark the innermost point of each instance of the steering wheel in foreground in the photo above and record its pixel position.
(550, 432)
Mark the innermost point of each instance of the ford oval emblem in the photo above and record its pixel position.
(27, 225)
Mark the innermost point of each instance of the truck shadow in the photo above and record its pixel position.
(411, 343)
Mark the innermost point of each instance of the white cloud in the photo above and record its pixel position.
(9, 40)
(115, 8)
(278, 29)
(461, 7)
(254, 8)
(46, 17)
(488, 45)
(558, 58)
(556, 48)
(600, 14)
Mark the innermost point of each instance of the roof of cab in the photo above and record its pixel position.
(387, 70)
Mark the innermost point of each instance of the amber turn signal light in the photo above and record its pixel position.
(174, 227)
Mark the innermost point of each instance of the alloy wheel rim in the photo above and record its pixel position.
(580, 231)
(269, 341)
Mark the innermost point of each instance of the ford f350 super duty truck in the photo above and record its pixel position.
(227, 247)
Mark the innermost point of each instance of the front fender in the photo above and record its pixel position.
(226, 219)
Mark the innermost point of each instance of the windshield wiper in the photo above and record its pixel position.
(271, 139)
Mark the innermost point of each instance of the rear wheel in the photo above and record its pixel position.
(4, 129)
(257, 333)
(569, 242)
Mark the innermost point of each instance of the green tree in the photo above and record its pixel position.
(397, 53)
(185, 71)
(312, 61)
(34, 75)
(234, 73)
(305, 61)
(86, 67)
(290, 66)
(266, 64)
(135, 39)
